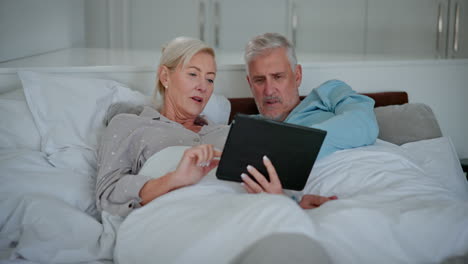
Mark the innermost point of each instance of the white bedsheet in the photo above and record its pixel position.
(47, 213)
(392, 208)
(404, 204)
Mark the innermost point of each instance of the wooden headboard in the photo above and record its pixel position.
(246, 105)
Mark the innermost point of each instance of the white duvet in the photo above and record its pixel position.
(405, 204)
(396, 205)
(47, 213)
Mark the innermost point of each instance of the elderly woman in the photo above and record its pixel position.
(186, 74)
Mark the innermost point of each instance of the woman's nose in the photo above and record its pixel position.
(202, 86)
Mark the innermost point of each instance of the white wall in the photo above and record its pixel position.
(29, 27)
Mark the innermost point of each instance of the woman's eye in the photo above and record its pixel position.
(210, 80)
(192, 74)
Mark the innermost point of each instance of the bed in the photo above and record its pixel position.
(402, 200)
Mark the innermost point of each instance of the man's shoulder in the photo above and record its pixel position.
(335, 82)
(327, 89)
(330, 90)
(332, 86)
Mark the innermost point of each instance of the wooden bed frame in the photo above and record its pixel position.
(246, 105)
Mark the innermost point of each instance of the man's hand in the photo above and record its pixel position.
(310, 201)
(263, 185)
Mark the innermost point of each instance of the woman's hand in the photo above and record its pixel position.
(195, 163)
(310, 201)
(263, 185)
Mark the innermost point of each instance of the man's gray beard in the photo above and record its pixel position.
(274, 118)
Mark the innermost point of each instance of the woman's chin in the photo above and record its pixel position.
(196, 112)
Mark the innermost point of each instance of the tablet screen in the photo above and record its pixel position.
(291, 148)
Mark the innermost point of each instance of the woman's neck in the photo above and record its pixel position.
(189, 122)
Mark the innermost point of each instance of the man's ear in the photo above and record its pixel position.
(298, 73)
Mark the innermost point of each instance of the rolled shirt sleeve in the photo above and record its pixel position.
(348, 117)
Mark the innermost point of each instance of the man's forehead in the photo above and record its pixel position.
(275, 61)
(269, 69)
(263, 74)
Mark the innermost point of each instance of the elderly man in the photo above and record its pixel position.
(274, 78)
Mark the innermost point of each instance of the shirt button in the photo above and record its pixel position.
(196, 140)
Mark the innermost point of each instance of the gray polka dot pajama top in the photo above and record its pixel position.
(128, 142)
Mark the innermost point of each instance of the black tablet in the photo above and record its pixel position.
(291, 148)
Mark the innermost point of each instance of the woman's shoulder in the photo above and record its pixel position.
(121, 109)
(129, 120)
(123, 119)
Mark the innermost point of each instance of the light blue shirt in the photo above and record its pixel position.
(347, 117)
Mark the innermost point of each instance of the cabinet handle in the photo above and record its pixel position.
(216, 24)
(294, 23)
(456, 27)
(439, 29)
(201, 20)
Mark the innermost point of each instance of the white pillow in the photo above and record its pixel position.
(26, 172)
(163, 161)
(17, 128)
(439, 159)
(69, 111)
(218, 109)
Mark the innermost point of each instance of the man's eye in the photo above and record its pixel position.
(277, 77)
(258, 80)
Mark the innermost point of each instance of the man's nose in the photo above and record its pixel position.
(269, 87)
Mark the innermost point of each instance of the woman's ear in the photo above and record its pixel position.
(163, 75)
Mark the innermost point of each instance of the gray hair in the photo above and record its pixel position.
(179, 51)
(262, 44)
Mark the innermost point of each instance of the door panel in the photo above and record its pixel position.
(330, 26)
(458, 41)
(154, 23)
(238, 21)
(403, 28)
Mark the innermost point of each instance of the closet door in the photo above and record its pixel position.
(329, 27)
(234, 23)
(458, 29)
(409, 29)
(152, 23)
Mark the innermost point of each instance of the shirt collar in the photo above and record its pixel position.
(150, 112)
(154, 114)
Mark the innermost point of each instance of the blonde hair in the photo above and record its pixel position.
(178, 51)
